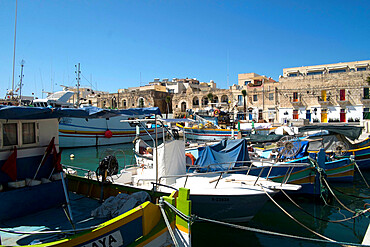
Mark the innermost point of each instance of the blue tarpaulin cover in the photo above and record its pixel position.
(26, 112)
(222, 154)
(302, 152)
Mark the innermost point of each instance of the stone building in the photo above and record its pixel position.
(325, 93)
(202, 96)
(137, 97)
(261, 98)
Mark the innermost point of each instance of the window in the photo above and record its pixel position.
(361, 69)
(141, 103)
(295, 97)
(337, 71)
(295, 114)
(323, 95)
(255, 97)
(366, 113)
(240, 99)
(293, 75)
(28, 133)
(271, 96)
(342, 95)
(195, 101)
(10, 134)
(246, 82)
(124, 103)
(314, 73)
(366, 93)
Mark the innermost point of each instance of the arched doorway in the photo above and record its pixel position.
(183, 106)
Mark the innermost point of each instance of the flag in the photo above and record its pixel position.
(56, 159)
(10, 165)
(47, 151)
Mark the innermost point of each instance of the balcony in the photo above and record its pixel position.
(344, 101)
(296, 102)
(324, 100)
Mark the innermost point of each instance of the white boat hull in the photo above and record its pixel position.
(77, 132)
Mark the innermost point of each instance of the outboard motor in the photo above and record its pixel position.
(109, 164)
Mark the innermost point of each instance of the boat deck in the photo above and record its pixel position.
(51, 219)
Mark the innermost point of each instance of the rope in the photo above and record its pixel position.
(168, 224)
(277, 233)
(360, 197)
(312, 231)
(49, 232)
(358, 168)
(331, 221)
(336, 198)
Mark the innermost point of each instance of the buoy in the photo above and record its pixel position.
(108, 134)
(192, 158)
(72, 156)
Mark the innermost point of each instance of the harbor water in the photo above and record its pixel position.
(354, 195)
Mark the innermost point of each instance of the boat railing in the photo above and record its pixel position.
(246, 169)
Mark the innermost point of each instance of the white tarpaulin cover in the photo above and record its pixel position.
(171, 160)
(114, 206)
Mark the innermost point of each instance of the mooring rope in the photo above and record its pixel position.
(168, 223)
(246, 228)
(194, 218)
(359, 197)
(358, 168)
(318, 218)
(336, 198)
(307, 228)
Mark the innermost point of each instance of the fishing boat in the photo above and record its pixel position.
(218, 195)
(339, 142)
(34, 188)
(211, 133)
(79, 132)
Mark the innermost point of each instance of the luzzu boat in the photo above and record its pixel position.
(98, 131)
(34, 187)
(337, 141)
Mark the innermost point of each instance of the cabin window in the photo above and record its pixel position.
(361, 69)
(10, 134)
(28, 133)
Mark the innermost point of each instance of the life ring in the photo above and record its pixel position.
(216, 112)
(108, 134)
(191, 157)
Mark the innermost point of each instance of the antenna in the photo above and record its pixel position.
(15, 38)
(21, 81)
(78, 83)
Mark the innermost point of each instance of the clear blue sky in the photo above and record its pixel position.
(116, 41)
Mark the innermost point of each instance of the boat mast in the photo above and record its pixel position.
(78, 83)
(15, 36)
(21, 82)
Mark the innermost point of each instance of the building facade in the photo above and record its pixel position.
(325, 93)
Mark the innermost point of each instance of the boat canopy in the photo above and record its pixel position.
(349, 131)
(26, 112)
(258, 138)
(225, 153)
